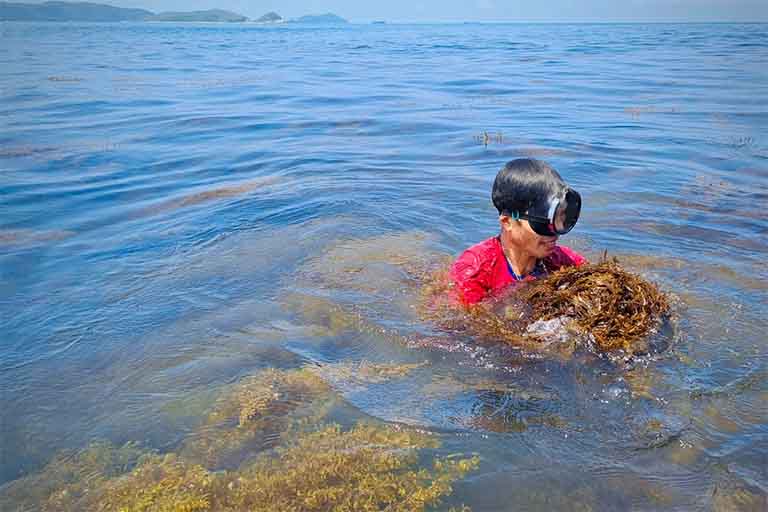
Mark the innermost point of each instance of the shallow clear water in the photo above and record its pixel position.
(183, 205)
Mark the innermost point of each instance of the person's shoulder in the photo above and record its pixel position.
(564, 256)
(481, 252)
(475, 258)
(472, 271)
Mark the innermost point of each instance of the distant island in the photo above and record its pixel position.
(87, 11)
(320, 18)
(209, 15)
(270, 17)
(69, 11)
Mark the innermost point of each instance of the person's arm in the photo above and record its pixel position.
(564, 256)
(572, 258)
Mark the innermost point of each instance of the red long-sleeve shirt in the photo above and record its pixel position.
(482, 270)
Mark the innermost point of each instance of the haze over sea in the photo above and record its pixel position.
(184, 205)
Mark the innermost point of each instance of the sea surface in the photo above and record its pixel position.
(183, 206)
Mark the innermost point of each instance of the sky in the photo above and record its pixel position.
(478, 10)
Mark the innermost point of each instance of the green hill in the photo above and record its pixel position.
(210, 15)
(270, 17)
(320, 18)
(86, 11)
(69, 11)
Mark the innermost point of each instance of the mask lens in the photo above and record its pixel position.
(567, 212)
(541, 226)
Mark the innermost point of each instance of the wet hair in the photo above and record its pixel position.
(523, 184)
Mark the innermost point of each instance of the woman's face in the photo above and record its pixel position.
(523, 238)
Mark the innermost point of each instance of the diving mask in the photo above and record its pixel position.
(557, 216)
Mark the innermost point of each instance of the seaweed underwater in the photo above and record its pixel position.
(253, 414)
(313, 464)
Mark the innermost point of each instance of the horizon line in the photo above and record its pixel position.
(431, 22)
(575, 22)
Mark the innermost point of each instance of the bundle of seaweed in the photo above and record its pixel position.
(616, 307)
(599, 302)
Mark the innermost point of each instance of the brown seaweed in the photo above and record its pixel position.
(600, 303)
(367, 468)
(614, 306)
(311, 465)
(68, 477)
(253, 414)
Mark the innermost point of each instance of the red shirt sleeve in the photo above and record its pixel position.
(564, 257)
(468, 278)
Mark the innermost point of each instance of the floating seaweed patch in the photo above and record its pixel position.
(66, 79)
(486, 138)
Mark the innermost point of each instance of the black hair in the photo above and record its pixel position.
(523, 184)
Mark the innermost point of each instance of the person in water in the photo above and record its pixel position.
(535, 207)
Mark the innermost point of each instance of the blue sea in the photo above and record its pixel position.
(183, 206)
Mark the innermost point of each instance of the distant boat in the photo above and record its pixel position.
(378, 23)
